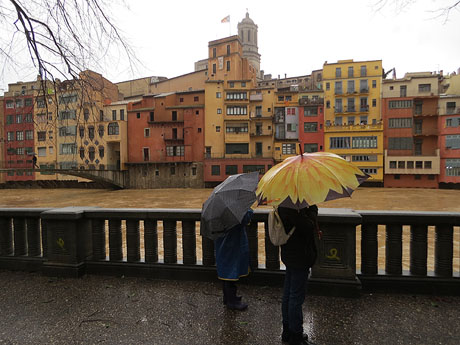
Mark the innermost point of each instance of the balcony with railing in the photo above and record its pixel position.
(364, 108)
(425, 131)
(173, 137)
(452, 110)
(378, 126)
(261, 132)
(417, 164)
(311, 101)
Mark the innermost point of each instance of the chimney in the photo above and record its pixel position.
(278, 76)
(285, 75)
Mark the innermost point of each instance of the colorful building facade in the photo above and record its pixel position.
(410, 110)
(352, 114)
(237, 128)
(166, 140)
(449, 133)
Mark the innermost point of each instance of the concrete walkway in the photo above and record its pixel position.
(111, 310)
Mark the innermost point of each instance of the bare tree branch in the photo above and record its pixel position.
(63, 37)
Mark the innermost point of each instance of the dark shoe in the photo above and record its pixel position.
(237, 306)
(238, 299)
(299, 339)
(286, 334)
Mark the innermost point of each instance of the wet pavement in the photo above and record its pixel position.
(114, 310)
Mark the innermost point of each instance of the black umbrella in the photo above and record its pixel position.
(227, 204)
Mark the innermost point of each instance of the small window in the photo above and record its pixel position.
(218, 94)
(138, 115)
(146, 132)
(424, 87)
(215, 170)
(196, 99)
(217, 128)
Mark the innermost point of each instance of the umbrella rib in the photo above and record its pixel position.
(333, 173)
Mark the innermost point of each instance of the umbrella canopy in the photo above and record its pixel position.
(227, 204)
(308, 179)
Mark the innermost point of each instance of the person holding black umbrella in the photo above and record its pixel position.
(232, 261)
(224, 218)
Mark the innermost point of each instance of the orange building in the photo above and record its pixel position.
(166, 140)
(238, 116)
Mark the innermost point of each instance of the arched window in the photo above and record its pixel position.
(113, 128)
(86, 114)
(91, 132)
(92, 153)
(82, 152)
(101, 151)
(101, 130)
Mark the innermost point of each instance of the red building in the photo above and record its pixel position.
(311, 123)
(166, 139)
(18, 133)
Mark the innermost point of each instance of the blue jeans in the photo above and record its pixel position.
(295, 283)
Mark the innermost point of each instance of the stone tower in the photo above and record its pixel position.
(247, 31)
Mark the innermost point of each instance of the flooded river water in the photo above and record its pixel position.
(362, 199)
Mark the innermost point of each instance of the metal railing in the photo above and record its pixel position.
(166, 243)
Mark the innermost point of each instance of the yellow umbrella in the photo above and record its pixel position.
(308, 179)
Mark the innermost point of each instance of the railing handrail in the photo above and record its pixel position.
(72, 238)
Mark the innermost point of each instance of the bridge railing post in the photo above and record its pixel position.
(69, 241)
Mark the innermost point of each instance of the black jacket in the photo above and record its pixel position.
(300, 250)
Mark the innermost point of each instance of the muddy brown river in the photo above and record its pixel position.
(362, 199)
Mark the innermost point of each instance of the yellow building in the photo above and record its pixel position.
(115, 125)
(45, 131)
(352, 113)
(71, 129)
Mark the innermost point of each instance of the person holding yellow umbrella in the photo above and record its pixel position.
(294, 187)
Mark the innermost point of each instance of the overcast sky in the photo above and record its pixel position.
(295, 37)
